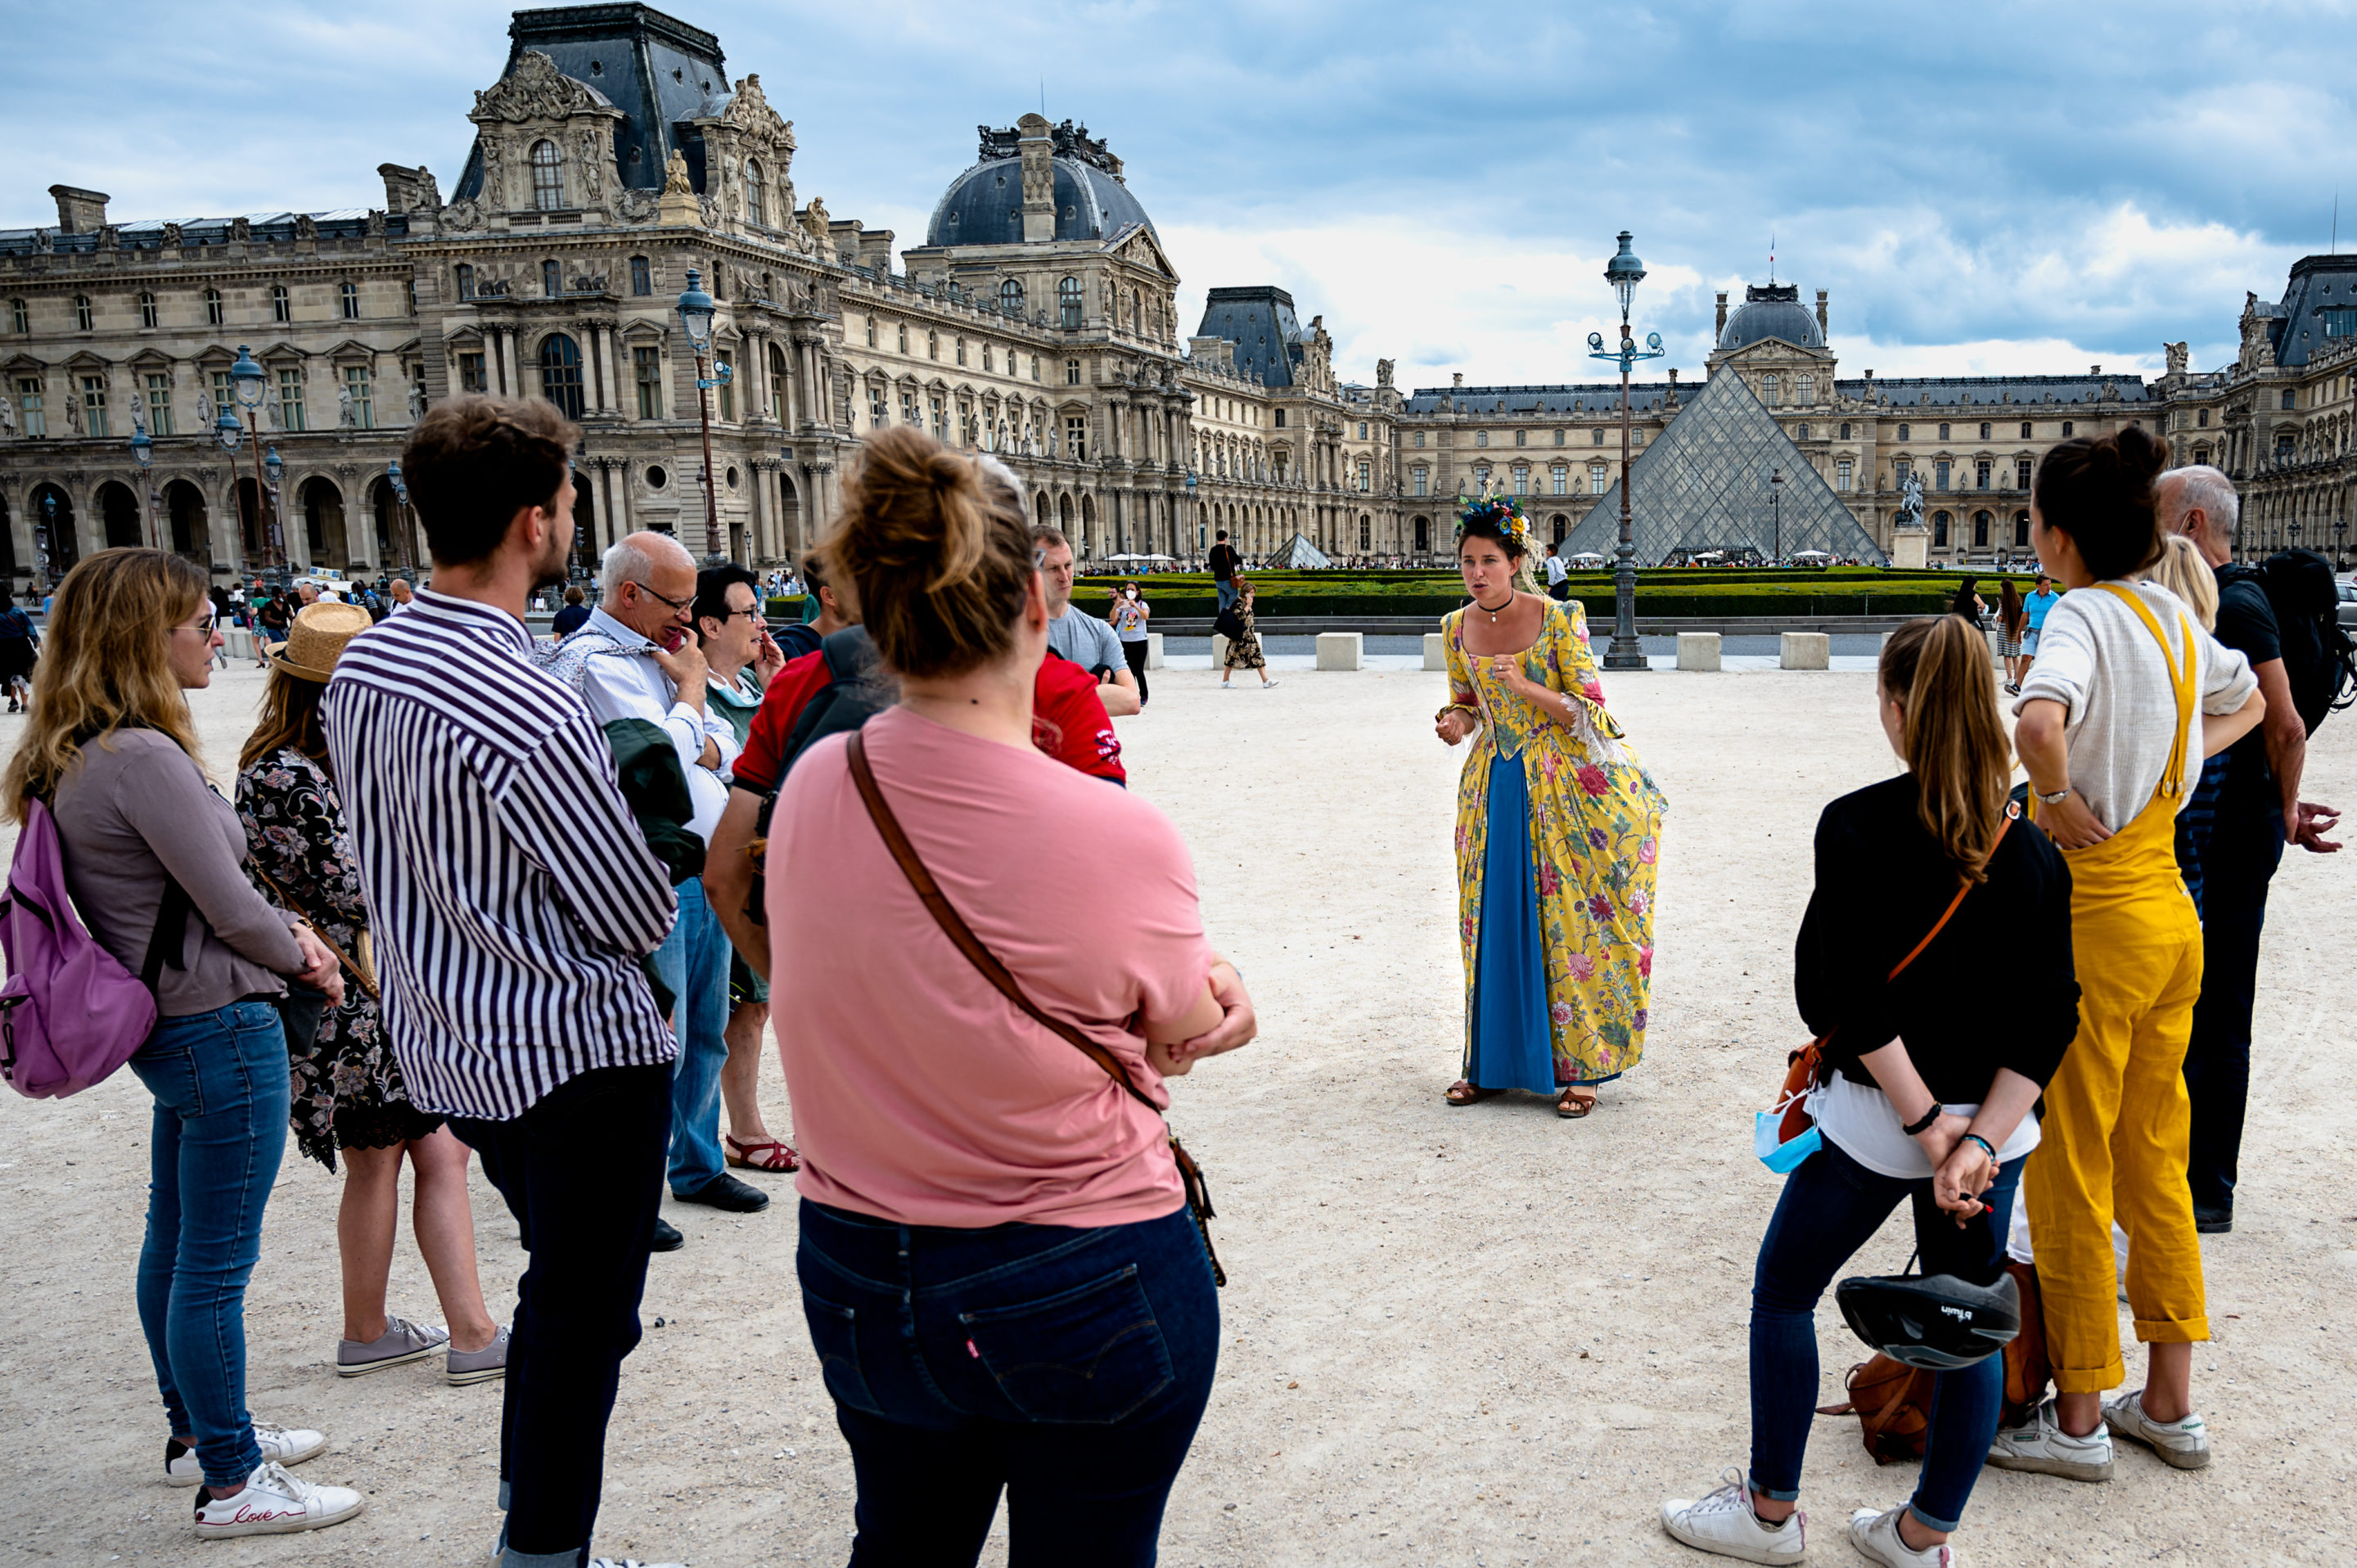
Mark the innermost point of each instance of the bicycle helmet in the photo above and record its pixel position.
(1938, 1321)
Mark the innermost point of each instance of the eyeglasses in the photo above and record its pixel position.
(666, 599)
(754, 611)
(205, 626)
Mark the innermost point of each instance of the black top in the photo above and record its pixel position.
(1224, 559)
(1996, 989)
(569, 619)
(2247, 623)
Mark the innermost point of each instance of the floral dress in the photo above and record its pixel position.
(1562, 999)
(348, 1090)
(1243, 652)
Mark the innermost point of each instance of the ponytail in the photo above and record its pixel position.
(1938, 668)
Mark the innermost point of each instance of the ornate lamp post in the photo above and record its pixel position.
(143, 447)
(1624, 272)
(695, 309)
(401, 499)
(1776, 508)
(246, 378)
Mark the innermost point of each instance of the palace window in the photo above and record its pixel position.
(159, 405)
(360, 384)
(31, 405)
(1422, 478)
(224, 391)
(1366, 475)
(871, 332)
(1010, 297)
(560, 373)
(1808, 390)
(1842, 472)
(1902, 434)
(552, 281)
(1801, 431)
(547, 177)
(1943, 433)
(1362, 426)
(2201, 455)
(2025, 430)
(1481, 438)
(1562, 477)
(1939, 475)
(1899, 472)
(81, 312)
(2021, 474)
(146, 309)
(1035, 367)
(1596, 485)
(961, 351)
(987, 357)
(1419, 438)
(1481, 479)
(778, 383)
(724, 371)
(2340, 322)
(1559, 437)
(349, 296)
(1980, 530)
(756, 193)
(2291, 396)
(1596, 437)
(466, 279)
(2066, 430)
(1366, 534)
(1844, 432)
(281, 307)
(470, 373)
(409, 296)
(1772, 390)
(877, 416)
(1068, 302)
(932, 345)
(647, 365)
(2202, 419)
(908, 410)
(1071, 372)
(1076, 438)
(1981, 472)
(290, 400)
(2021, 528)
(1522, 480)
(1940, 520)
(20, 319)
(642, 277)
(93, 405)
(901, 337)
(1521, 437)
(1985, 430)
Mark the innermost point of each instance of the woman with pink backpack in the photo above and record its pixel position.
(107, 772)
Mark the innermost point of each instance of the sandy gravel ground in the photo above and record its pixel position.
(1479, 1336)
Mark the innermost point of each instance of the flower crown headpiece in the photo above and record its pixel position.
(1503, 512)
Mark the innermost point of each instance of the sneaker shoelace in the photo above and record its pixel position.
(274, 1477)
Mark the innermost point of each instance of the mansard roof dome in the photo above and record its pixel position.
(984, 205)
(1773, 311)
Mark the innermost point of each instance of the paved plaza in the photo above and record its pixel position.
(1480, 1336)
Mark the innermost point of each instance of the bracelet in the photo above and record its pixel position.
(1925, 1121)
(1469, 711)
(1987, 1147)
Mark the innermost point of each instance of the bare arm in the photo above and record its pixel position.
(2220, 731)
(2287, 738)
(2039, 740)
(728, 878)
(1219, 1020)
(1119, 694)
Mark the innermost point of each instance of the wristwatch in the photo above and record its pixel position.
(2056, 798)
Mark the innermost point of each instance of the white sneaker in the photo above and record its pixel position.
(1270, 685)
(2183, 1444)
(279, 1445)
(1723, 1523)
(1876, 1534)
(2042, 1446)
(274, 1503)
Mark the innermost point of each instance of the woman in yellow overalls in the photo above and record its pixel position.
(2108, 738)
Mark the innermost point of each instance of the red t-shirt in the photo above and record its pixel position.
(1069, 721)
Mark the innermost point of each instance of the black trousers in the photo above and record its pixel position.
(1136, 653)
(582, 1172)
(2246, 845)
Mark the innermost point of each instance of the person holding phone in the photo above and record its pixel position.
(1920, 1103)
(1129, 615)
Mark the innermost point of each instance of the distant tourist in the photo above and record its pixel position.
(952, 1143)
(112, 748)
(1918, 1102)
(577, 610)
(818, 623)
(20, 649)
(1558, 573)
(2010, 619)
(2035, 605)
(401, 594)
(1084, 640)
(1558, 832)
(1235, 623)
(1129, 615)
(1968, 602)
(2125, 698)
(1223, 562)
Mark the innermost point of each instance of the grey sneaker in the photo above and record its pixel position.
(2182, 1443)
(463, 1367)
(2042, 1446)
(401, 1342)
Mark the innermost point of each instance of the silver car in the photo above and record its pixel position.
(2348, 611)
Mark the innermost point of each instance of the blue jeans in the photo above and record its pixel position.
(1226, 589)
(220, 1085)
(2245, 846)
(694, 962)
(1068, 1367)
(1833, 1206)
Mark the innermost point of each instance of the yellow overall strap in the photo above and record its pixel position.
(2172, 781)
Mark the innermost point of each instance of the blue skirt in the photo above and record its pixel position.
(1514, 1045)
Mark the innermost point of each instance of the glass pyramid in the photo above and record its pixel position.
(1704, 485)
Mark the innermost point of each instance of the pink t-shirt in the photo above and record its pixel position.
(920, 1094)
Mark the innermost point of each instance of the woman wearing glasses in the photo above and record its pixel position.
(111, 749)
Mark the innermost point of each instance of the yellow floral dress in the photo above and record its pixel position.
(1573, 979)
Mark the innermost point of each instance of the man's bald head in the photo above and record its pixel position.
(650, 583)
(2199, 502)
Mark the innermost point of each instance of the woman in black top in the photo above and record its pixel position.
(1921, 1101)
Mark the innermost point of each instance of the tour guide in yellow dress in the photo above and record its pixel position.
(1559, 831)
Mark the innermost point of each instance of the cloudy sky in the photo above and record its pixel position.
(1986, 188)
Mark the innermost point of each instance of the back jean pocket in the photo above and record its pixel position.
(1091, 1355)
(834, 1334)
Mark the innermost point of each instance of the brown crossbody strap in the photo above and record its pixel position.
(367, 980)
(961, 935)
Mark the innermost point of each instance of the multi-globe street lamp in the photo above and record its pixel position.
(401, 499)
(143, 447)
(247, 383)
(1624, 272)
(695, 311)
(1776, 508)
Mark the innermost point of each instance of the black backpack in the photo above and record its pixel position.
(2319, 660)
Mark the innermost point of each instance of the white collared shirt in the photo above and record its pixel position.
(630, 685)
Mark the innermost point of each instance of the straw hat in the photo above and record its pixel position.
(315, 638)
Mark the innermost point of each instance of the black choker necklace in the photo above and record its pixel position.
(1493, 614)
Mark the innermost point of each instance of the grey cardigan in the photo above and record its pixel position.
(135, 807)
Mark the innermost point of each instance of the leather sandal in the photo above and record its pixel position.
(762, 1154)
(1574, 1102)
(1463, 1092)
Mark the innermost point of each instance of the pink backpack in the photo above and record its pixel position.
(70, 1014)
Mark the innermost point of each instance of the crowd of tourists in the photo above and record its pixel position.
(480, 895)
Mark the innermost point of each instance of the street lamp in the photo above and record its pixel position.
(1624, 272)
(1776, 508)
(401, 497)
(695, 308)
(143, 447)
(247, 383)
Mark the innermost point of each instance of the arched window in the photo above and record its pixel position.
(2021, 528)
(1902, 433)
(547, 177)
(1980, 530)
(1940, 520)
(1808, 390)
(349, 296)
(552, 280)
(1772, 390)
(1943, 433)
(1280, 419)
(146, 309)
(466, 278)
(1068, 302)
(281, 307)
(757, 194)
(560, 372)
(81, 310)
(1010, 297)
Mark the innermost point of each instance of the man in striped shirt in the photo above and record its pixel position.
(512, 897)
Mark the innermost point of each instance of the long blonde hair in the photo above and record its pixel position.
(2183, 572)
(1938, 668)
(105, 665)
(289, 721)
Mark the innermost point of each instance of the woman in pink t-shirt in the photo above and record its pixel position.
(1003, 1281)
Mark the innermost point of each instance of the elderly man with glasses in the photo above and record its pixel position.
(635, 657)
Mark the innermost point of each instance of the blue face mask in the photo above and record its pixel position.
(1781, 1158)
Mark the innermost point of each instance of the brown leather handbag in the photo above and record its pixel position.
(1892, 1401)
(1190, 1175)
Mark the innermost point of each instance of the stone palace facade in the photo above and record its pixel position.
(1039, 320)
